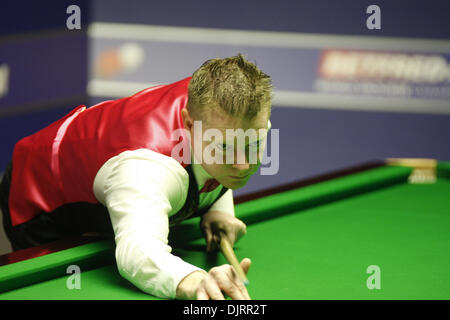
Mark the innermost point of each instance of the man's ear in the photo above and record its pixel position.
(188, 122)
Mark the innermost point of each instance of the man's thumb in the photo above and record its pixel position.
(245, 264)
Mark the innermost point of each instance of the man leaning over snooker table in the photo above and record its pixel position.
(118, 167)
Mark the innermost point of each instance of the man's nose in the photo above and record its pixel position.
(241, 162)
(241, 166)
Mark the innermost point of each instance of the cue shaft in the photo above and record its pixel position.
(228, 252)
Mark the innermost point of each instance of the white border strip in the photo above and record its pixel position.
(115, 89)
(359, 103)
(284, 98)
(123, 31)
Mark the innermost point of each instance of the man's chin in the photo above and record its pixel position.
(234, 184)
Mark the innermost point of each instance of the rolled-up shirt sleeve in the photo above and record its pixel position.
(140, 191)
(225, 203)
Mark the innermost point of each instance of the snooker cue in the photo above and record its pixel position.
(228, 252)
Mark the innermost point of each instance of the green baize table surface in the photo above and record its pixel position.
(315, 242)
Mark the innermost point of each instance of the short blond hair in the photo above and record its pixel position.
(233, 84)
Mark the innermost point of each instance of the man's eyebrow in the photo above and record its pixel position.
(224, 144)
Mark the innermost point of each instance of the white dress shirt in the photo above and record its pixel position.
(141, 190)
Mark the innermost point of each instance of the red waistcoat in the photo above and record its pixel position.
(57, 165)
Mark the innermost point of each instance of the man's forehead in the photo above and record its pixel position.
(222, 121)
(250, 135)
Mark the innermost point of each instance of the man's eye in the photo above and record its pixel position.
(226, 147)
(253, 145)
(223, 147)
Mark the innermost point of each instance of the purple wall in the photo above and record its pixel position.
(49, 72)
(47, 66)
(401, 18)
(312, 140)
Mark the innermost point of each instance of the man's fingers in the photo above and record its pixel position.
(209, 237)
(213, 290)
(242, 230)
(228, 282)
(236, 231)
(245, 264)
(233, 238)
(230, 234)
(231, 286)
(223, 281)
(233, 291)
(216, 222)
(201, 294)
(243, 293)
(216, 241)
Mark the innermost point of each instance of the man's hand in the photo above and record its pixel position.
(221, 280)
(213, 222)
